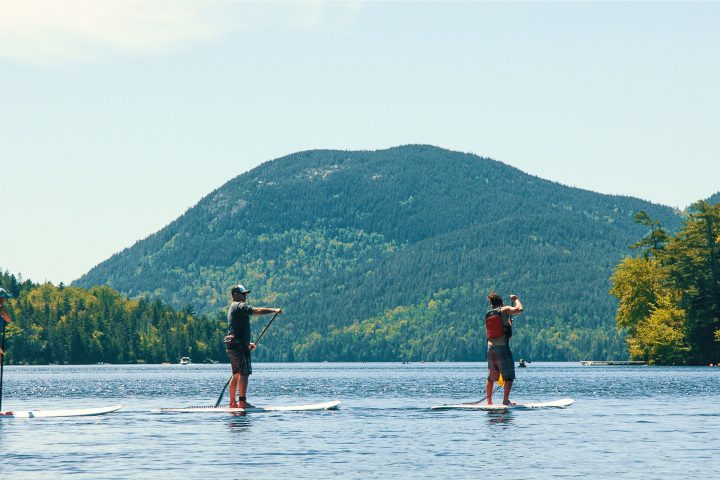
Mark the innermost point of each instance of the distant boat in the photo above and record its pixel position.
(185, 361)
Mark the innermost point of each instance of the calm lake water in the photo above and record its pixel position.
(627, 423)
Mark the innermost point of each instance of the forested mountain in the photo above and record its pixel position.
(714, 199)
(389, 255)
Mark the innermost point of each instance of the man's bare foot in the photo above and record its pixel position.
(242, 404)
(508, 402)
(233, 404)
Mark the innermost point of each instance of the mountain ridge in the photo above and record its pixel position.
(322, 230)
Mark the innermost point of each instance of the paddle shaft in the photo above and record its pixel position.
(265, 329)
(222, 393)
(486, 396)
(2, 361)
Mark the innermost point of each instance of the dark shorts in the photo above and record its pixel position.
(240, 360)
(500, 360)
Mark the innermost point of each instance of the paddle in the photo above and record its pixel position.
(500, 383)
(2, 361)
(222, 393)
(4, 317)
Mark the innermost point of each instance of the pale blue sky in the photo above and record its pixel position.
(118, 116)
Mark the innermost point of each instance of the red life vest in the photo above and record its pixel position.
(494, 323)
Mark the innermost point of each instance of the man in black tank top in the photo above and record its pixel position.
(499, 355)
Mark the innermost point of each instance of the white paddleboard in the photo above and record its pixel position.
(562, 403)
(71, 412)
(332, 405)
(495, 407)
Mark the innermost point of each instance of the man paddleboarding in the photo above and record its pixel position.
(238, 344)
(498, 323)
(5, 317)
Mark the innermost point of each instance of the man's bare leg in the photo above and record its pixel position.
(233, 389)
(242, 390)
(506, 392)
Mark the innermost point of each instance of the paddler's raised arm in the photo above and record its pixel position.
(516, 308)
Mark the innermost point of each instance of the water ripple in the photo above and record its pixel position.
(627, 423)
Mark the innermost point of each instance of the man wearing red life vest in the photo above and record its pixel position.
(498, 324)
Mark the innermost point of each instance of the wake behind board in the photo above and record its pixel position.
(562, 403)
(332, 405)
(70, 412)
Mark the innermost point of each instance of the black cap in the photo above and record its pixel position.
(239, 288)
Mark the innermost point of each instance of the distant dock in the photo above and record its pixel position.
(595, 363)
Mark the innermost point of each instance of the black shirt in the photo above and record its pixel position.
(239, 322)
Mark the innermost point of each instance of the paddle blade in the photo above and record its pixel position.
(500, 381)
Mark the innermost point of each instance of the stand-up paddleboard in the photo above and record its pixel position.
(495, 407)
(333, 405)
(562, 403)
(70, 412)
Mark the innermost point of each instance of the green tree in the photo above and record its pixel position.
(669, 297)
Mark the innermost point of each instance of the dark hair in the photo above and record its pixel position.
(495, 299)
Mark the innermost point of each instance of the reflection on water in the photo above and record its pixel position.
(239, 423)
(495, 418)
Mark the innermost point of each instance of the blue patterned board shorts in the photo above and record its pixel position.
(500, 360)
(240, 360)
